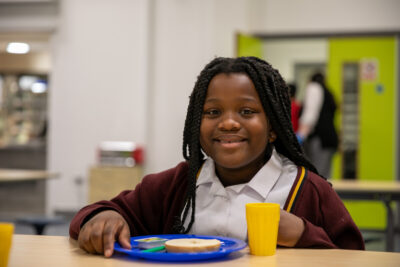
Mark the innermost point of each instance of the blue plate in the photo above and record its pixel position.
(228, 245)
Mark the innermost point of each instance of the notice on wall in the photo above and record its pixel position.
(369, 69)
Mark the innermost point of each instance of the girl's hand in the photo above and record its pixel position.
(290, 230)
(99, 233)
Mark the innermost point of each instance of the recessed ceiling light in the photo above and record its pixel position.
(17, 48)
(39, 87)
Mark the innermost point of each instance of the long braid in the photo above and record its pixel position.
(191, 145)
(274, 96)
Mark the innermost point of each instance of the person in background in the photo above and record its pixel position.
(239, 147)
(295, 106)
(316, 125)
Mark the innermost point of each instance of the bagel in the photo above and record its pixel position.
(190, 245)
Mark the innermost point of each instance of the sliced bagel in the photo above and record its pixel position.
(188, 245)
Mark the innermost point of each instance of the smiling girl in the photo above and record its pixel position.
(239, 148)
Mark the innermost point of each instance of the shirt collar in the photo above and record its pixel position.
(262, 182)
(266, 178)
(207, 172)
(207, 176)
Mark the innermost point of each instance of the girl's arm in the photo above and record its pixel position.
(290, 230)
(100, 232)
(326, 221)
(149, 209)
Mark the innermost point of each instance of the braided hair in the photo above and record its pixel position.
(274, 96)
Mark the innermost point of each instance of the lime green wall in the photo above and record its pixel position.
(377, 115)
(249, 46)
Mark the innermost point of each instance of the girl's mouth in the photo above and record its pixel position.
(228, 138)
(230, 142)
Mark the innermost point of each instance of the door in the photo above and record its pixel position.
(361, 71)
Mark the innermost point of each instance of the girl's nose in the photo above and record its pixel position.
(229, 123)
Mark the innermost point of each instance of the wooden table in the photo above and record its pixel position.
(23, 192)
(16, 175)
(385, 191)
(42, 251)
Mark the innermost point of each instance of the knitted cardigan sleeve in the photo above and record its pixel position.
(328, 224)
(151, 208)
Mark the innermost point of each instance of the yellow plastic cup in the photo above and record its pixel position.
(6, 233)
(262, 227)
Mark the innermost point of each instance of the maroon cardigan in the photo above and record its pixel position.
(156, 202)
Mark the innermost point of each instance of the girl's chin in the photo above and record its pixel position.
(230, 164)
(235, 163)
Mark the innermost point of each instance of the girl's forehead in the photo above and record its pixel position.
(231, 88)
(232, 74)
(227, 83)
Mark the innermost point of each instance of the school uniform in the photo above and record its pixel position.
(156, 203)
(221, 210)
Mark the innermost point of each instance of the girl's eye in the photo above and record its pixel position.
(211, 112)
(247, 111)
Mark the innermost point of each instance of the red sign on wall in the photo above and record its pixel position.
(369, 69)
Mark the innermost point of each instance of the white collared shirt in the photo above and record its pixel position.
(221, 210)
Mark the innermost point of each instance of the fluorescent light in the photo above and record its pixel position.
(17, 48)
(25, 82)
(39, 87)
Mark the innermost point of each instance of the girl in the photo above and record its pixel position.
(239, 147)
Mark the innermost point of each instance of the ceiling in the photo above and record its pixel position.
(38, 42)
(29, 21)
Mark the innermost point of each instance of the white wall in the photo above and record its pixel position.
(98, 88)
(327, 15)
(188, 34)
(284, 54)
(28, 17)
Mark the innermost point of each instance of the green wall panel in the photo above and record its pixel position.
(377, 115)
(249, 46)
(367, 214)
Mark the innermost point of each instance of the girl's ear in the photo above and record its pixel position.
(272, 136)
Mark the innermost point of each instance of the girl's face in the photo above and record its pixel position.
(234, 129)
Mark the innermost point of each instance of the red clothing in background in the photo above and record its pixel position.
(295, 114)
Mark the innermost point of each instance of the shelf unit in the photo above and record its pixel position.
(23, 110)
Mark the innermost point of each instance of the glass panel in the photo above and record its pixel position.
(349, 140)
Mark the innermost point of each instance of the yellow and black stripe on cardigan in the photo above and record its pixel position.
(296, 189)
